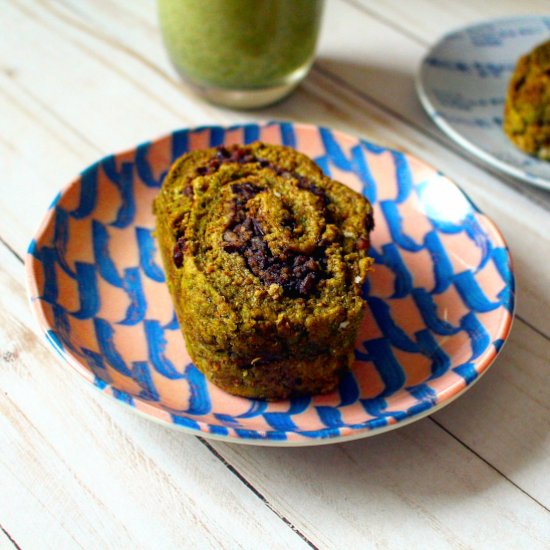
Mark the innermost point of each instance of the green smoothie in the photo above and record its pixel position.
(241, 44)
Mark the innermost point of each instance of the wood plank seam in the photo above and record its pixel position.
(533, 327)
(387, 22)
(251, 487)
(10, 538)
(28, 94)
(465, 445)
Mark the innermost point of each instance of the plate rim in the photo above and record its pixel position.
(441, 121)
(273, 438)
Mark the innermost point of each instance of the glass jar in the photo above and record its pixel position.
(241, 53)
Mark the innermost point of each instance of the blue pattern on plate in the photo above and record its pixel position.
(381, 351)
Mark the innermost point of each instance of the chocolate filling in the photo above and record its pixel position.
(177, 253)
(241, 155)
(297, 274)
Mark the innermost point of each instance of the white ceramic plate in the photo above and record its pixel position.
(462, 85)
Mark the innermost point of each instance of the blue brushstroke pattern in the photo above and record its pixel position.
(180, 143)
(442, 266)
(356, 163)
(467, 371)
(87, 291)
(98, 383)
(477, 234)
(471, 293)
(63, 328)
(147, 251)
(106, 265)
(373, 148)
(395, 222)
(251, 133)
(361, 169)
(395, 334)
(349, 390)
(157, 344)
(228, 419)
(479, 337)
(97, 365)
(501, 259)
(428, 309)
(131, 284)
(123, 396)
(391, 258)
(389, 369)
(283, 420)
(280, 421)
(185, 422)
(257, 407)
(88, 193)
(288, 135)
(498, 343)
(123, 180)
(143, 167)
(250, 434)
(403, 176)
(377, 407)
(331, 417)
(324, 164)
(33, 250)
(52, 336)
(61, 239)
(429, 347)
(218, 430)
(173, 324)
(423, 392)
(48, 257)
(199, 402)
(142, 375)
(104, 334)
(55, 200)
(217, 136)
(334, 151)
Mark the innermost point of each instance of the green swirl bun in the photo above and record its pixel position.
(265, 258)
(527, 107)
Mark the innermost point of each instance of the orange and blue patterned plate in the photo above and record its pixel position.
(439, 303)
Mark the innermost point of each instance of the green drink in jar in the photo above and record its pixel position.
(241, 53)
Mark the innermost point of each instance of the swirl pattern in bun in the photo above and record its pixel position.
(265, 258)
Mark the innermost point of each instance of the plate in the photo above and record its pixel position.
(462, 85)
(439, 303)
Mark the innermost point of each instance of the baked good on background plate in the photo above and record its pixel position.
(527, 108)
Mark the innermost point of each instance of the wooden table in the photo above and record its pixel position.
(82, 78)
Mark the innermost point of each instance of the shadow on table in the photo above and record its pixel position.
(343, 80)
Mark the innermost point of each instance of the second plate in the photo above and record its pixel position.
(462, 85)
